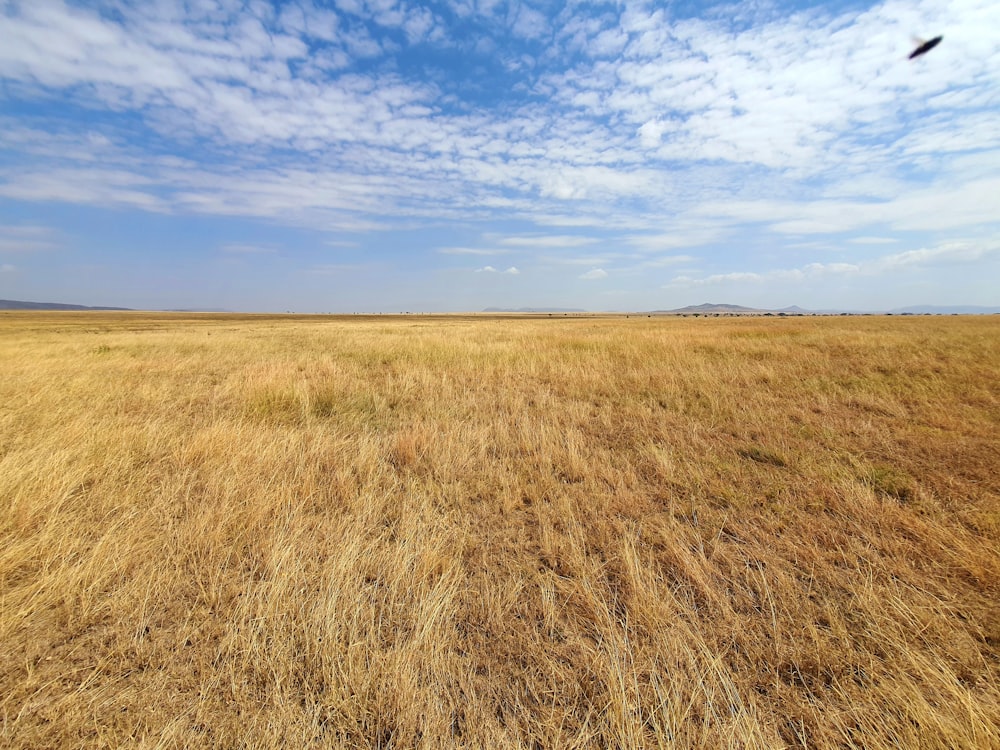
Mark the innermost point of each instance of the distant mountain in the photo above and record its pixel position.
(710, 307)
(713, 308)
(533, 310)
(13, 304)
(945, 310)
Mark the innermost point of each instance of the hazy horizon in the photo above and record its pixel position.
(362, 156)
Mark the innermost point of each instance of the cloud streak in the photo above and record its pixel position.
(26, 238)
(947, 254)
(477, 251)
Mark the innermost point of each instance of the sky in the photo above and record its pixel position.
(390, 156)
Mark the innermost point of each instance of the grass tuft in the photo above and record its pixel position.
(889, 481)
(763, 456)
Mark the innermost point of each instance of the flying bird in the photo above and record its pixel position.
(926, 47)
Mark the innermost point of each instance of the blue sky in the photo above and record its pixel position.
(380, 155)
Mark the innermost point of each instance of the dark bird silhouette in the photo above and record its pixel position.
(926, 47)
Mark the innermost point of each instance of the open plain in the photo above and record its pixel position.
(489, 531)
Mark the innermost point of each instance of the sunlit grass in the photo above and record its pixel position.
(485, 532)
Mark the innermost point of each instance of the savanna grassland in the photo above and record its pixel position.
(226, 531)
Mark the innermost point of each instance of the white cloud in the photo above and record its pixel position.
(651, 133)
(548, 241)
(873, 240)
(7, 268)
(689, 234)
(418, 24)
(594, 260)
(608, 43)
(471, 251)
(595, 273)
(950, 252)
(26, 238)
(947, 205)
(944, 254)
(664, 261)
(529, 23)
(512, 271)
(809, 271)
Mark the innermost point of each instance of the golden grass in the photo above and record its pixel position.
(224, 531)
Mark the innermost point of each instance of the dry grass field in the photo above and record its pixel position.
(416, 532)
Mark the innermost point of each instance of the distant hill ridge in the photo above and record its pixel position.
(13, 304)
(715, 307)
